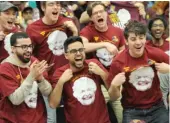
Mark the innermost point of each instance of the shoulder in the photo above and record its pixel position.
(92, 60)
(121, 57)
(62, 18)
(5, 68)
(60, 70)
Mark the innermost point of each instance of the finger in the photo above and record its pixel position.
(42, 63)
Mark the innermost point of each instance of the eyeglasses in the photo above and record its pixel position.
(25, 47)
(74, 51)
(100, 12)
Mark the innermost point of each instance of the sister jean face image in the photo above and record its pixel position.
(142, 78)
(84, 90)
(55, 42)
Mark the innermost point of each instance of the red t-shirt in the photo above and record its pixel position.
(83, 98)
(48, 42)
(142, 86)
(10, 80)
(121, 11)
(113, 35)
(164, 47)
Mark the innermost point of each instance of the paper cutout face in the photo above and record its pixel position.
(7, 45)
(31, 99)
(84, 90)
(55, 42)
(104, 56)
(142, 78)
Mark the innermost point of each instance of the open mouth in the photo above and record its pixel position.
(143, 83)
(10, 22)
(87, 97)
(78, 59)
(158, 32)
(55, 13)
(27, 55)
(138, 48)
(100, 20)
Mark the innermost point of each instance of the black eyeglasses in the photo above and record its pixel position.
(25, 47)
(74, 51)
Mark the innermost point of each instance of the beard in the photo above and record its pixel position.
(21, 57)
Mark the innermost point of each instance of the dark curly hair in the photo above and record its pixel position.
(136, 27)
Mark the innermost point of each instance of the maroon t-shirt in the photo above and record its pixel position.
(10, 80)
(48, 42)
(164, 47)
(83, 98)
(113, 35)
(142, 86)
(121, 11)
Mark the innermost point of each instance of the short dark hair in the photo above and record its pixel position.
(157, 18)
(17, 35)
(71, 40)
(92, 5)
(136, 27)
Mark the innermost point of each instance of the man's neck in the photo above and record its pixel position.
(74, 69)
(158, 42)
(47, 21)
(104, 29)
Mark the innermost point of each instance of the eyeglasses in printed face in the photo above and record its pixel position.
(25, 47)
(74, 51)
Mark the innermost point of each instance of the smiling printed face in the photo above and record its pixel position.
(31, 99)
(104, 56)
(55, 42)
(142, 78)
(84, 90)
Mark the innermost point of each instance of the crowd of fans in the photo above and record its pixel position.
(84, 62)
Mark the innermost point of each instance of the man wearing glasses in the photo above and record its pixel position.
(22, 84)
(79, 82)
(104, 41)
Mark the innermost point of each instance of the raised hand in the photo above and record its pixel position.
(119, 79)
(94, 68)
(111, 48)
(162, 67)
(37, 68)
(71, 26)
(66, 76)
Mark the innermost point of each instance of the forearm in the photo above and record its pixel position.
(114, 92)
(90, 47)
(18, 96)
(45, 87)
(104, 76)
(56, 94)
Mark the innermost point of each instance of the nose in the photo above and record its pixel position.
(138, 41)
(78, 52)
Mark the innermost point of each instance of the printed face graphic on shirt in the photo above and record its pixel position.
(31, 99)
(84, 90)
(55, 42)
(123, 16)
(104, 56)
(142, 78)
(7, 44)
